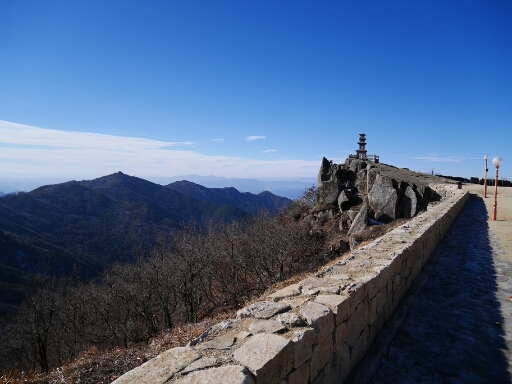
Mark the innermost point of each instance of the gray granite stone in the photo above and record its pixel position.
(262, 310)
(229, 374)
(269, 357)
(160, 369)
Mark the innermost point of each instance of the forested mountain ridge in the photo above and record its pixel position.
(246, 201)
(24, 265)
(90, 225)
(107, 217)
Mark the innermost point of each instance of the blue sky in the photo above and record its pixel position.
(252, 88)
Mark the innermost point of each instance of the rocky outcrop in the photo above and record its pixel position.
(392, 193)
(371, 175)
(410, 204)
(357, 165)
(332, 179)
(344, 200)
(391, 198)
(361, 183)
(360, 221)
(383, 198)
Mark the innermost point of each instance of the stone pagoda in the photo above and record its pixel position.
(361, 152)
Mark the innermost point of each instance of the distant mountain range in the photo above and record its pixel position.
(92, 224)
(291, 188)
(246, 201)
(2, 194)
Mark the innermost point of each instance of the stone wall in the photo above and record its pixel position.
(315, 331)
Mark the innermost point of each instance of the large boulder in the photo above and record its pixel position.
(344, 200)
(371, 175)
(319, 218)
(425, 195)
(356, 165)
(332, 179)
(409, 203)
(360, 221)
(391, 198)
(361, 183)
(326, 171)
(383, 198)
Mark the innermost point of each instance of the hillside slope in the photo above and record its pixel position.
(90, 225)
(246, 201)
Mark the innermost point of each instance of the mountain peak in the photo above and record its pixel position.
(112, 180)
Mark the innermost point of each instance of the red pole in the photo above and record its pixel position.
(495, 206)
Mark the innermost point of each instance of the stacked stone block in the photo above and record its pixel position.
(315, 331)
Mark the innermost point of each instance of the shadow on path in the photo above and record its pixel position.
(453, 332)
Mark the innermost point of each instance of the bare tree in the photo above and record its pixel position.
(301, 206)
(183, 279)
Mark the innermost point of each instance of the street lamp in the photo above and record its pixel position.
(497, 161)
(485, 176)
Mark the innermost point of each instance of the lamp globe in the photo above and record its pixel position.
(497, 161)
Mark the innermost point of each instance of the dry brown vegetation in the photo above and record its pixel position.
(95, 366)
(194, 277)
(73, 332)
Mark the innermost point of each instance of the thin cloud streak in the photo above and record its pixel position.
(252, 138)
(35, 152)
(269, 151)
(439, 159)
(178, 144)
(18, 134)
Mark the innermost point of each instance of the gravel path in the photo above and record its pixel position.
(458, 328)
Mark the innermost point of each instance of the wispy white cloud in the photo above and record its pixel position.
(36, 152)
(178, 144)
(217, 140)
(269, 151)
(252, 138)
(437, 159)
(17, 134)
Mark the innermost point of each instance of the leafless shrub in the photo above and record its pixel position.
(188, 277)
(301, 206)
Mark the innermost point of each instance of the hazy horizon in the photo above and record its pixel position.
(291, 188)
